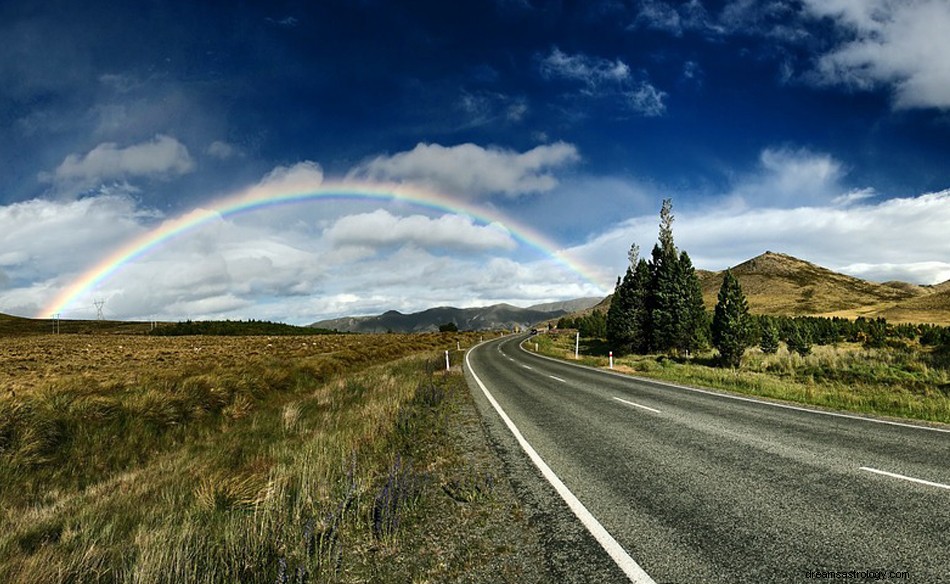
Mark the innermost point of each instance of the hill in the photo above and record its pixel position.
(780, 284)
(776, 283)
(16, 325)
(495, 317)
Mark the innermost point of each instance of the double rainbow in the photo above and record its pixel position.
(267, 196)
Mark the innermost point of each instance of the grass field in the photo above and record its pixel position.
(248, 459)
(899, 382)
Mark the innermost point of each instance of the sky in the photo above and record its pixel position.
(546, 133)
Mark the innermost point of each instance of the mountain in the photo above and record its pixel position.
(495, 317)
(568, 305)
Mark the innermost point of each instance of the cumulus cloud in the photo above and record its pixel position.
(162, 157)
(469, 170)
(381, 228)
(302, 174)
(605, 79)
(902, 45)
(266, 264)
(894, 239)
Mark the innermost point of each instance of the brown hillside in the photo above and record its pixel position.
(779, 284)
(776, 283)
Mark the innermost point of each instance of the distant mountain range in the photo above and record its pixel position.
(780, 284)
(495, 317)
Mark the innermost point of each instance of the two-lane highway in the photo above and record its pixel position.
(696, 486)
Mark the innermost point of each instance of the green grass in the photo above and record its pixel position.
(894, 381)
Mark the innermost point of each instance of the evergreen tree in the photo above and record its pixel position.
(620, 325)
(769, 339)
(619, 315)
(663, 298)
(692, 326)
(732, 325)
(799, 338)
(640, 308)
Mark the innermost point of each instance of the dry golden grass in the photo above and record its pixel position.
(225, 459)
(779, 284)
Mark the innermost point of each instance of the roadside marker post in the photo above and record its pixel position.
(446, 359)
(577, 344)
(611, 359)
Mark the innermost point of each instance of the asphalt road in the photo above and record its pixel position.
(699, 487)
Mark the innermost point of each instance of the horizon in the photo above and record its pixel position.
(548, 134)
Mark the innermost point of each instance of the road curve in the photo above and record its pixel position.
(701, 487)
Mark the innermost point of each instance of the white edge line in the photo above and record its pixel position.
(903, 477)
(738, 397)
(636, 405)
(623, 560)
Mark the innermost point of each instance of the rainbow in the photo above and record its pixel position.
(288, 192)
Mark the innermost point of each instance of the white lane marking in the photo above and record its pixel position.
(557, 378)
(904, 477)
(636, 405)
(739, 397)
(619, 555)
(528, 367)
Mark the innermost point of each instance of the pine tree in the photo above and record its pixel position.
(663, 298)
(732, 325)
(769, 339)
(692, 329)
(619, 315)
(640, 308)
(621, 324)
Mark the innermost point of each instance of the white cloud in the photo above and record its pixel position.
(222, 150)
(903, 45)
(469, 170)
(295, 264)
(605, 79)
(162, 157)
(893, 239)
(300, 176)
(674, 19)
(381, 228)
(591, 71)
(788, 176)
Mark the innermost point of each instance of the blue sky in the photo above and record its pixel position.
(819, 128)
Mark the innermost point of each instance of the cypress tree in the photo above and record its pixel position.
(732, 325)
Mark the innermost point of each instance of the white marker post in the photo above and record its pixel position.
(458, 346)
(446, 359)
(535, 347)
(577, 344)
(611, 359)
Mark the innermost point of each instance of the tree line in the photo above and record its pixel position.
(657, 307)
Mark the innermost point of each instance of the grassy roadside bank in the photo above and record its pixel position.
(350, 463)
(846, 377)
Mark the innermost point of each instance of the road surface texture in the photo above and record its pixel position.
(700, 487)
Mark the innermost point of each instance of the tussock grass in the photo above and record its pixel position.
(295, 465)
(892, 381)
